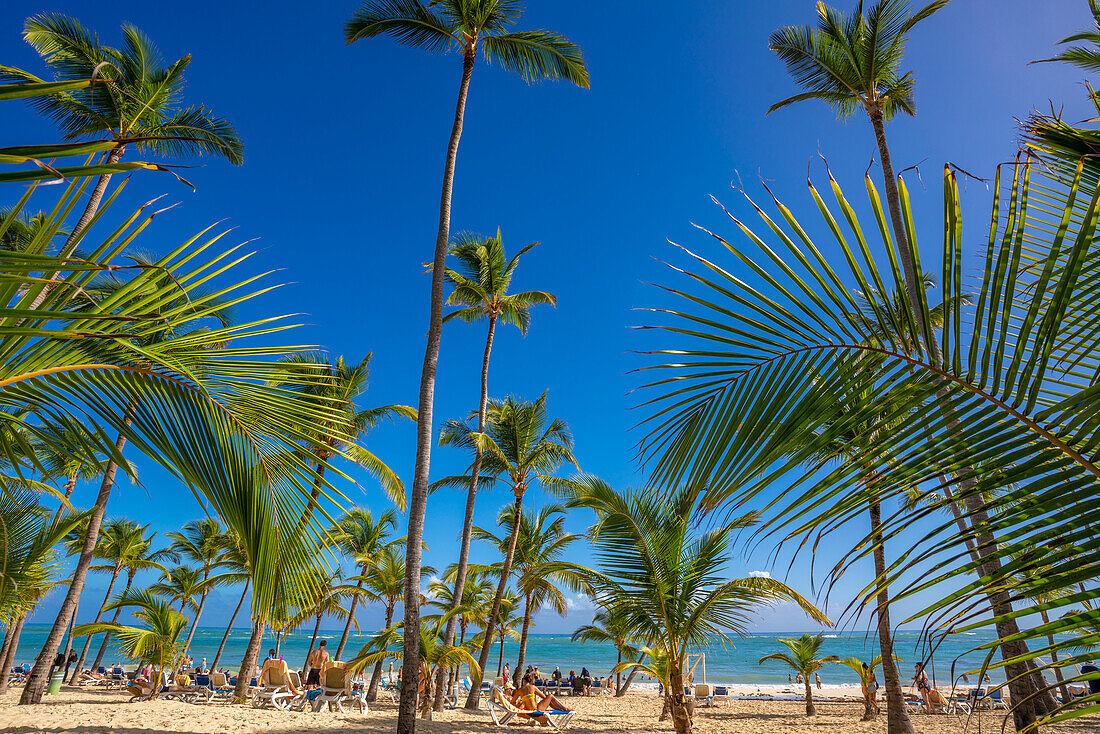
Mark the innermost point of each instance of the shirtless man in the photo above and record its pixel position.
(315, 662)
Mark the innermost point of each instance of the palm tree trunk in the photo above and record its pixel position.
(278, 642)
(629, 678)
(810, 710)
(425, 429)
(681, 719)
(618, 673)
(518, 672)
(229, 627)
(195, 624)
(897, 716)
(500, 658)
(475, 690)
(1062, 687)
(11, 649)
(1026, 688)
(114, 620)
(312, 642)
(85, 218)
(471, 495)
(347, 627)
(88, 639)
(376, 676)
(248, 663)
(36, 682)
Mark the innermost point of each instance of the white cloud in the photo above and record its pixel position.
(760, 574)
(428, 593)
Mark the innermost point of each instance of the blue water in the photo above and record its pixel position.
(729, 664)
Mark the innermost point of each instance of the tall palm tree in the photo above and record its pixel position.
(431, 655)
(202, 542)
(234, 566)
(662, 570)
(610, 626)
(464, 26)
(140, 104)
(155, 643)
(329, 601)
(115, 294)
(113, 547)
(385, 584)
(179, 584)
(362, 539)
(537, 566)
(802, 656)
(853, 63)
(138, 556)
(340, 384)
(523, 446)
(481, 278)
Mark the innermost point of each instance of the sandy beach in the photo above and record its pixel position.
(91, 711)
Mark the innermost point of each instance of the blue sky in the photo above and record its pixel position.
(344, 155)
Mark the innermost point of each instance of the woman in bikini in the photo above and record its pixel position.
(530, 698)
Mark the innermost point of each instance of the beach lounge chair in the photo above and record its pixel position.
(703, 694)
(502, 710)
(273, 688)
(338, 688)
(721, 694)
(996, 699)
(221, 686)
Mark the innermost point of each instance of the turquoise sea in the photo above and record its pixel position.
(729, 664)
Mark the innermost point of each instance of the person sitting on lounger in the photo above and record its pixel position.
(279, 665)
(530, 698)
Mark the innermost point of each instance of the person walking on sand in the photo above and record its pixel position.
(315, 662)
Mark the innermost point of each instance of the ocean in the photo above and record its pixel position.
(732, 664)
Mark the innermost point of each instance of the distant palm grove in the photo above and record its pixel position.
(787, 399)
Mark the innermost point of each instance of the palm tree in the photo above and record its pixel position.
(329, 600)
(663, 572)
(340, 385)
(1083, 57)
(139, 104)
(476, 595)
(481, 279)
(385, 583)
(802, 656)
(117, 295)
(157, 643)
(789, 379)
(854, 63)
(113, 546)
(179, 584)
(610, 626)
(522, 443)
(865, 672)
(201, 542)
(234, 564)
(465, 26)
(31, 565)
(537, 568)
(362, 539)
(432, 654)
(137, 556)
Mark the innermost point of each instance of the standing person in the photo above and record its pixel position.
(389, 674)
(73, 657)
(506, 676)
(817, 679)
(870, 687)
(789, 678)
(556, 675)
(315, 662)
